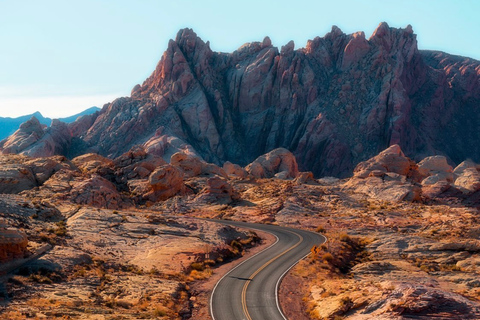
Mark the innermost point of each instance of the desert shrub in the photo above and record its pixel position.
(198, 266)
(327, 257)
(236, 245)
(341, 253)
(321, 229)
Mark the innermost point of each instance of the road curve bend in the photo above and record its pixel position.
(250, 290)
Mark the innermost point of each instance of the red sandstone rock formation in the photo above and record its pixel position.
(166, 181)
(97, 192)
(338, 101)
(13, 243)
(279, 163)
(35, 140)
(388, 176)
(217, 190)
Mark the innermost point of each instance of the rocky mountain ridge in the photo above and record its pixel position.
(338, 101)
(9, 125)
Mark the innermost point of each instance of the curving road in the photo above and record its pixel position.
(249, 291)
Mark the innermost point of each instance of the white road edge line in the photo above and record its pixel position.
(283, 275)
(226, 274)
(279, 280)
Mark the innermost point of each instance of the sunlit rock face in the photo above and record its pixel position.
(13, 243)
(338, 101)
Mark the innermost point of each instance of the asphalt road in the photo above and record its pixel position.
(249, 291)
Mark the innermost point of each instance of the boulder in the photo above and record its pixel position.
(136, 164)
(217, 190)
(389, 176)
(13, 243)
(435, 168)
(467, 164)
(96, 192)
(61, 259)
(384, 189)
(60, 183)
(214, 170)
(234, 170)
(436, 189)
(305, 177)
(92, 163)
(166, 181)
(15, 176)
(44, 168)
(468, 181)
(273, 162)
(189, 164)
(391, 159)
(27, 134)
(193, 166)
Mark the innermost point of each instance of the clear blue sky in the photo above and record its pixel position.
(60, 57)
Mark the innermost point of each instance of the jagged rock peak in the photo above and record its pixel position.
(31, 125)
(335, 32)
(382, 30)
(267, 42)
(394, 37)
(188, 40)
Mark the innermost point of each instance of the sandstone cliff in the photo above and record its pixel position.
(340, 100)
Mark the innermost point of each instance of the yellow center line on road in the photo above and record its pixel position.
(244, 291)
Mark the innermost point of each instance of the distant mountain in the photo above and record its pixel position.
(10, 125)
(83, 113)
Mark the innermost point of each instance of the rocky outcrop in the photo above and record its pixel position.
(14, 175)
(234, 170)
(37, 140)
(13, 243)
(422, 301)
(468, 181)
(97, 192)
(389, 176)
(92, 163)
(279, 163)
(44, 168)
(19, 173)
(190, 165)
(304, 177)
(336, 102)
(436, 169)
(166, 181)
(391, 160)
(392, 176)
(193, 166)
(135, 164)
(217, 190)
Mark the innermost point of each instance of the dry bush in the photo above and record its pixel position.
(341, 252)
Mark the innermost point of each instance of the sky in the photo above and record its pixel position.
(61, 57)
